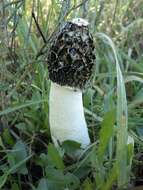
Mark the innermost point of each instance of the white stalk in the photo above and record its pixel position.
(66, 115)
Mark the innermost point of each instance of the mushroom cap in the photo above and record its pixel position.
(71, 55)
(80, 22)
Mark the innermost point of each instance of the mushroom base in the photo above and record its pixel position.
(66, 115)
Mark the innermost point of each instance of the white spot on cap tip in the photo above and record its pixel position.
(80, 22)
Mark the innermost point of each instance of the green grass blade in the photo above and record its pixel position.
(13, 109)
(122, 117)
(112, 176)
(106, 132)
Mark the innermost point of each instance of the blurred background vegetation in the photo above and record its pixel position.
(113, 102)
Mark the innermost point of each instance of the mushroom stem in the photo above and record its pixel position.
(66, 115)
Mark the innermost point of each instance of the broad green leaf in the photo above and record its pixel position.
(56, 176)
(63, 180)
(18, 154)
(55, 157)
(46, 184)
(70, 146)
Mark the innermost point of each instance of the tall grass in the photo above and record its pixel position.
(113, 102)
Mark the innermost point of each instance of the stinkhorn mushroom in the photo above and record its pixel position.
(70, 65)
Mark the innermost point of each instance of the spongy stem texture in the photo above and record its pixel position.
(66, 115)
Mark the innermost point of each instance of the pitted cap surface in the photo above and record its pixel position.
(71, 55)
